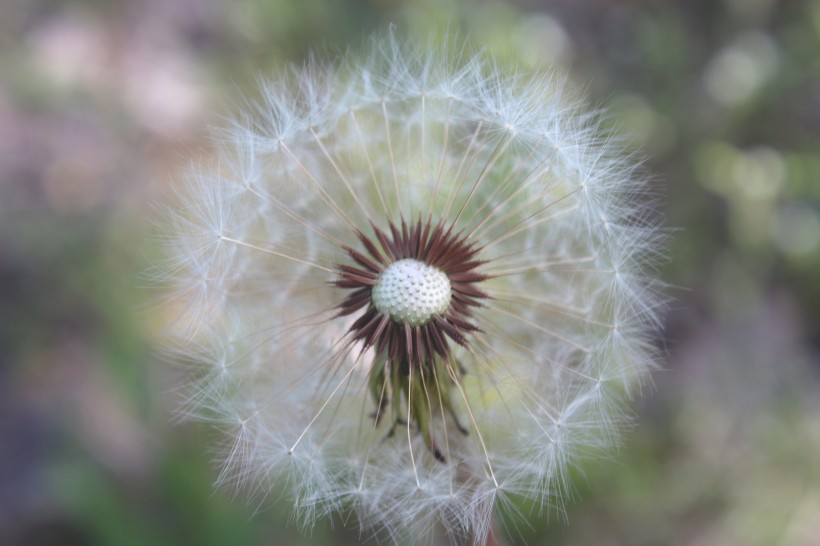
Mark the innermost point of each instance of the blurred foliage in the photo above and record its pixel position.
(101, 102)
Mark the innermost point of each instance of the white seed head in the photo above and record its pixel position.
(412, 292)
(547, 311)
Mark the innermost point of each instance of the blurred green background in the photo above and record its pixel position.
(103, 102)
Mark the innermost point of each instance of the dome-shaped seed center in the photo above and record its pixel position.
(411, 292)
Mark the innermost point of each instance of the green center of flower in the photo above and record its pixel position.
(411, 292)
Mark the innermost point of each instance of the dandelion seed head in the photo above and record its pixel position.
(414, 287)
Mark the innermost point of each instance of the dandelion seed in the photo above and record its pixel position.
(415, 287)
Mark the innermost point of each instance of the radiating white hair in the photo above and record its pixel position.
(516, 167)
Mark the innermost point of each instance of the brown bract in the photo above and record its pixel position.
(437, 246)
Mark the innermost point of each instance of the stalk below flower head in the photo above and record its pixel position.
(412, 286)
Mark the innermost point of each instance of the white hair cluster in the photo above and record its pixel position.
(513, 166)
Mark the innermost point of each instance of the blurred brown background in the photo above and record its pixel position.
(102, 103)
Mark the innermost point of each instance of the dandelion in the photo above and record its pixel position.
(412, 287)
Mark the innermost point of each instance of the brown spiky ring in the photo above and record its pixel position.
(418, 288)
